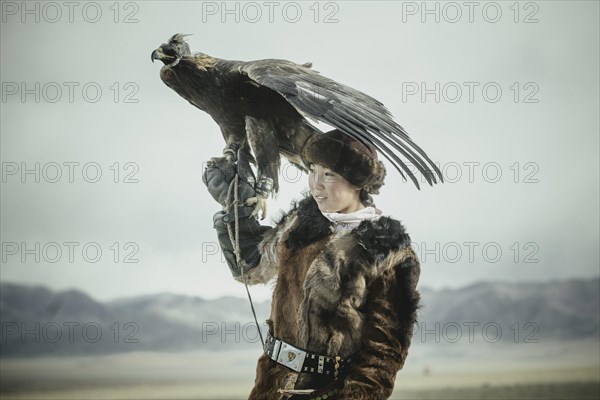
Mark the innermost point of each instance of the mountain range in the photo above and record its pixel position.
(36, 321)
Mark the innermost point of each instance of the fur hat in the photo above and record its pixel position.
(346, 156)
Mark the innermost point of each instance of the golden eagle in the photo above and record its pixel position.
(263, 105)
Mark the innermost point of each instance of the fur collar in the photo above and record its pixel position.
(312, 227)
(378, 237)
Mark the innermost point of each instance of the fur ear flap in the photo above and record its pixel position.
(381, 236)
(313, 227)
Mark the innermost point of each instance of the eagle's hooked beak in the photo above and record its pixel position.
(159, 54)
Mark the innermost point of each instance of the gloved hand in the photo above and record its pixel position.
(251, 233)
(217, 176)
(219, 173)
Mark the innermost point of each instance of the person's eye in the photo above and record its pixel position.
(329, 174)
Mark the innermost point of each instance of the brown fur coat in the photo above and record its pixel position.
(347, 294)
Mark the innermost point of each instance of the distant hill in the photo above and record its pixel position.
(36, 321)
(567, 309)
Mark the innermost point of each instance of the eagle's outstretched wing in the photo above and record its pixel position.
(345, 108)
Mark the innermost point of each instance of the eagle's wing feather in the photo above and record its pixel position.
(345, 108)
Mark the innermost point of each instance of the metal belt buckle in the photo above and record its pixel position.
(290, 356)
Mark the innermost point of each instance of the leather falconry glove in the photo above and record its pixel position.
(217, 176)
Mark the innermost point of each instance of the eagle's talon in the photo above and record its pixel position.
(260, 207)
(230, 152)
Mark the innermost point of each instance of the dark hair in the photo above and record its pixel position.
(366, 199)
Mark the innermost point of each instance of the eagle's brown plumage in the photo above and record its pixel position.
(263, 105)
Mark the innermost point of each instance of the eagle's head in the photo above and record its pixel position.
(171, 53)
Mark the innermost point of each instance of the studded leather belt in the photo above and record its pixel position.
(300, 360)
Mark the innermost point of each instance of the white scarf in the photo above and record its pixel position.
(349, 221)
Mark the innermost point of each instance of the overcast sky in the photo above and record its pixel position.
(514, 127)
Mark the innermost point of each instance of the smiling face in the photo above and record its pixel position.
(332, 192)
